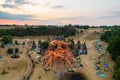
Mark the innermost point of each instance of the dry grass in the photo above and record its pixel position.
(92, 36)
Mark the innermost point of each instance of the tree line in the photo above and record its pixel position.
(38, 31)
(112, 37)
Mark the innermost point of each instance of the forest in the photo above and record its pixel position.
(112, 37)
(38, 31)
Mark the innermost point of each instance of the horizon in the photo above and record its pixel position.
(60, 12)
(58, 25)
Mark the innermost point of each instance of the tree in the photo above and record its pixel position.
(81, 31)
(2, 45)
(114, 47)
(23, 43)
(106, 36)
(33, 45)
(117, 74)
(78, 44)
(10, 51)
(16, 50)
(71, 44)
(39, 42)
(85, 26)
(7, 39)
(44, 45)
(71, 41)
(16, 42)
(118, 61)
(66, 35)
(38, 31)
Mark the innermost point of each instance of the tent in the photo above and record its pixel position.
(100, 73)
(1, 57)
(105, 64)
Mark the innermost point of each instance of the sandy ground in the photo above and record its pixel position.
(18, 66)
(88, 70)
(88, 64)
(14, 67)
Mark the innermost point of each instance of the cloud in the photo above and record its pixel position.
(8, 5)
(112, 13)
(83, 18)
(21, 2)
(18, 22)
(57, 7)
(8, 0)
(8, 16)
(14, 3)
(46, 4)
(115, 14)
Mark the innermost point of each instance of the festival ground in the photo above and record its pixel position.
(15, 72)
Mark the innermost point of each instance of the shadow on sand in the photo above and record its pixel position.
(73, 76)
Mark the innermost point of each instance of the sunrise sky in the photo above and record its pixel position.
(54, 12)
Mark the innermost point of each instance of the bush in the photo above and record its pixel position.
(2, 46)
(117, 74)
(44, 45)
(16, 50)
(7, 39)
(81, 31)
(106, 36)
(23, 43)
(10, 51)
(114, 47)
(16, 42)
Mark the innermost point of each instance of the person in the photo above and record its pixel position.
(45, 71)
(39, 77)
(24, 78)
(82, 65)
(28, 78)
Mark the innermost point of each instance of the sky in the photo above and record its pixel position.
(60, 12)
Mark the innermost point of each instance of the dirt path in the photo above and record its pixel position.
(89, 69)
(29, 70)
(30, 64)
(87, 33)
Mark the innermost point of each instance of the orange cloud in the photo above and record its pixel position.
(29, 22)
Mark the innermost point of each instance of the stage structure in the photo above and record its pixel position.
(58, 50)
